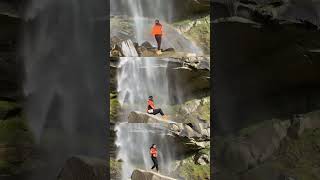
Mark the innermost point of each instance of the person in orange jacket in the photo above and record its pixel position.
(154, 155)
(157, 32)
(151, 109)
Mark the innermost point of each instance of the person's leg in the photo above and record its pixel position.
(158, 41)
(156, 164)
(159, 44)
(157, 111)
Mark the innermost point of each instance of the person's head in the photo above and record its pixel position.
(157, 21)
(151, 98)
(153, 146)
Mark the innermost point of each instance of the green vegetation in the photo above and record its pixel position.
(14, 131)
(114, 107)
(191, 171)
(199, 32)
(14, 137)
(202, 111)
(115, 168)
(7, 106)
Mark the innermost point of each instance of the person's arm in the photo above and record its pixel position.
(152, 105)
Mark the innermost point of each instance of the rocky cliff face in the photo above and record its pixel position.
(273, 149)
(16, 141)
(266, 63)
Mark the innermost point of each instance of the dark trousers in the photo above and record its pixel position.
(155, 163)
(157, 111)
(158, 39)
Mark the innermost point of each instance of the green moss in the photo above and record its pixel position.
(114, 107)
(14, 131)
(200, 33)
(6, 105)
(115, 169)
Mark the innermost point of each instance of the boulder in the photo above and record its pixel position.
(303, 122)
(80, 167)
(139, 174)
(147, 45)
(140, 117)
(128, 49)
(254, 145)
(201, 159)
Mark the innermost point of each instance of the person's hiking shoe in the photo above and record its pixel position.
(158, 52)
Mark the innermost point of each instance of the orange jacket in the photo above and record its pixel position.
(153, 152)
(157, 29)
(151, 104)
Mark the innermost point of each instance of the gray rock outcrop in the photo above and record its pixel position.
(83, 168)
(139, 174)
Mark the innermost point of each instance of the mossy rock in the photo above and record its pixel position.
(191, 171)
(199, 32)
(115, 169)
(114, 108)
(16, 145)
(6, 107)
(200, 112)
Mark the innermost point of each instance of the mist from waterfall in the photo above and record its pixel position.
(64, 52)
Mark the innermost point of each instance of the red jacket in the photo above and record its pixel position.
(154, 152)
(150, 104)
(157, 29)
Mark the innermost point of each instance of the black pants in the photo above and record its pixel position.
(158, 39)
(157, 111)
(155, 163)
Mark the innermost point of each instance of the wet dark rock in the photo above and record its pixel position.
(80, 167)
(147, 45)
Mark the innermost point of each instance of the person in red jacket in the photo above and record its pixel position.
(154, 155)
(157, 32)
(151, 109)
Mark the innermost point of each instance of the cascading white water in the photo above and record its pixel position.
(139, 78)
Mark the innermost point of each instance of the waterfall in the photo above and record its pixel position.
(135, 140)
(139, 78)
(143, 13)
(64, 53)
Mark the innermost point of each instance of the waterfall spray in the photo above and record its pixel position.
(64, 54)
